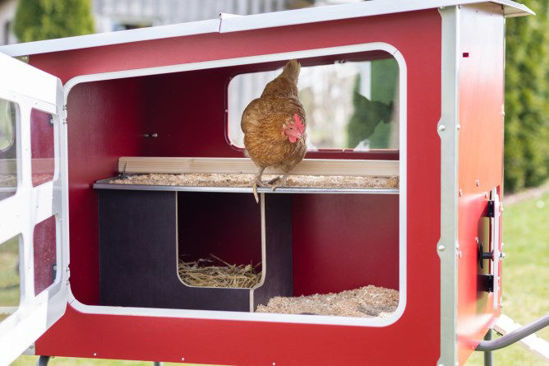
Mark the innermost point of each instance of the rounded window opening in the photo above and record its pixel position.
(350, 105)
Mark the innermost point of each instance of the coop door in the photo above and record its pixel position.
(33, 243)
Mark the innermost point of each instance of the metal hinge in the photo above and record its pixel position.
(490, 209)
(64, 115)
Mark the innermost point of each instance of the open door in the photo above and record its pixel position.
(33, 207)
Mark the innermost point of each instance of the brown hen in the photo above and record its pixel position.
(274, 126)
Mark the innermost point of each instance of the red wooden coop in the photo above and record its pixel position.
(99, 260)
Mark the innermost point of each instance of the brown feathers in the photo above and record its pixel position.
(265, 122)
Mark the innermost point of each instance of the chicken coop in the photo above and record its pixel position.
(122, 170)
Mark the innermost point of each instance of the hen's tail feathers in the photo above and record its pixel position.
(291, 69)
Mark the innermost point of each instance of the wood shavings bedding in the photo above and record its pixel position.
(367, 301)
(37, 179)
(245, 180)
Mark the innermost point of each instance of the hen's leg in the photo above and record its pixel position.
(257, 182)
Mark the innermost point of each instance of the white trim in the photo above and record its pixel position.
(112, 38)
(330, 320)
(448, 130)
(355, 10)
(227, 23)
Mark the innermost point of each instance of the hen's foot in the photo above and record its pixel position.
(259, 183)
(276, 182)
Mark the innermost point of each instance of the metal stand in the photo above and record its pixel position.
(514, 336)
(157, 363)
(43, 361)
(488, 355)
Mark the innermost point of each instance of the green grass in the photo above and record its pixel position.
(525, 275)
(9, 276)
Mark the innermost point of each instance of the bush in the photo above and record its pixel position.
(45, 19)
(527, 99)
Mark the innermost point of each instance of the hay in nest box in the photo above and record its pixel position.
(215, 272)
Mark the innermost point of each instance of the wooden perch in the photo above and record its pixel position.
(325, 167)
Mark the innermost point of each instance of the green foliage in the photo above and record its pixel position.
(7, 129)
(45, 19)
(365, 123)
(527, 99)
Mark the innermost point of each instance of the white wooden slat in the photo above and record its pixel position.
(43, 201)
(532, 343)
(10, 224)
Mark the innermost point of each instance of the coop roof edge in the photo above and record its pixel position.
(229, 23)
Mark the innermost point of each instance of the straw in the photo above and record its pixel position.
(215, 272)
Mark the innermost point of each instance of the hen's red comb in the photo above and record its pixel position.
(299, 123)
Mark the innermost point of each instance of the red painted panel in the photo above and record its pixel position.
(44, 241)
(343, 242)
(42, 147)
(96, 140)
(187, 112)
(114, 129)
(480, 157)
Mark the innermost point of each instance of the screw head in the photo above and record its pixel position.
(442, 128)
(441, 248)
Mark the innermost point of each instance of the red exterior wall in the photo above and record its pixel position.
(95, 144)
(480, 159)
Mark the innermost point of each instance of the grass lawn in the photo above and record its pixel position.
(9, 275)
(525, 274)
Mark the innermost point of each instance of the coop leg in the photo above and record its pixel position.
(43, 361)
(157, 363)
(488, 355)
